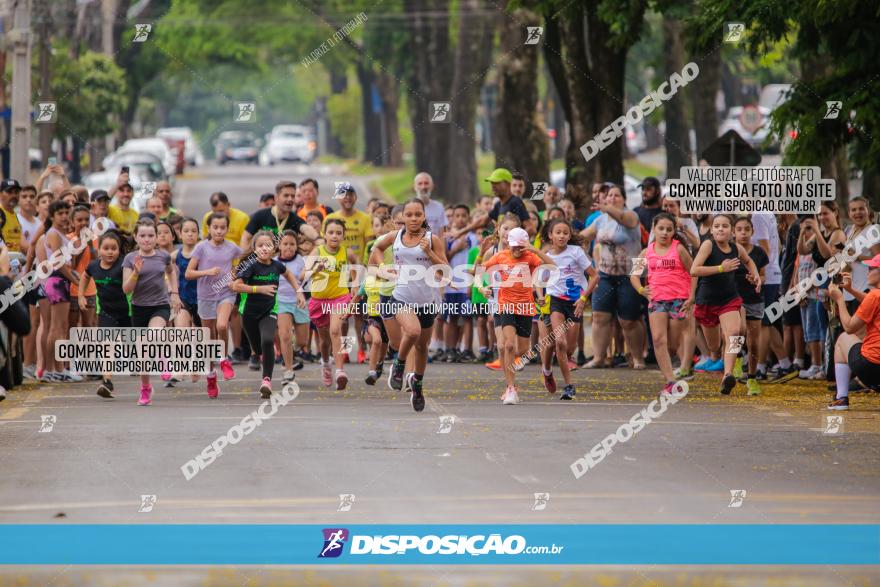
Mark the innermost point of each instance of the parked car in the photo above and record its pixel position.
(237, 145)
(152, 145)
(636, 139)
(289, 142)
(192, 153)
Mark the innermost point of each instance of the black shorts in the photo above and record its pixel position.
(522, 324)
(425, 316)
(108, 321)
(376, 322)
(193, 310)
(141, 315)
(564, 307)
(792, 317)
(32, 297)
(867, 372)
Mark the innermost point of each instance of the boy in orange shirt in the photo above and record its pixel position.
(516, 301)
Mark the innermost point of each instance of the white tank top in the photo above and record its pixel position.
(411, 291)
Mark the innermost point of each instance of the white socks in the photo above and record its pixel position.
(841, 374)
(785, 363)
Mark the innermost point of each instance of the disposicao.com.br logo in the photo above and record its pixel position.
(335, 540)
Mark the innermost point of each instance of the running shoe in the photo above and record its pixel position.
(680, 374)
(439, 355)
(549, 382)
(237, 357)
(582, 359)
(326, 374)
(467, 357)
(494, 365)
(811, 372)
(372, 376)
(727, 384)
(738, 367)
(485, 357)
(362, 357)
(819, 375)
(839, 404)
(2, 393)
(785, 374)
(266, 388)
(213, 389)
(288, 376)
(753, 386)
(668, 389)
(568, 392)
(417, 399)
(761, 375)
(395, 377)
(619, 361)
(254, 363)
(165, 376)
(716, 366)
(572, 366)
(297, 365)
(67, 375)
(146, 393)
(30, 372)
(341, 380)
(379, 368)
(226, 368)
(452, 356)
(105, 390)
(510, 397)
(701, 364)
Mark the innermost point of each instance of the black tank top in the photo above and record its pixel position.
(719, 288)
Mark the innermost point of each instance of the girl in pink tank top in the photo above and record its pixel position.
(670, 299)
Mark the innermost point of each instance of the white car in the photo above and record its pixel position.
(732, 122)
(288, 142)
(144, 171)
(191, 151)
(152, 145)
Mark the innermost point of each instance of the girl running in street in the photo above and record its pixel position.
(57, 288)
(293, 313)
(215, 255)
(753, 302)
(670, 299)
(258, 284)
(167, 239)
(568, 294)
(114, 310)
(491, 246)
(413, 246)
(146, 275)
(717, 301)
(188, 315)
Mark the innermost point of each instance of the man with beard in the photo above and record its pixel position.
(9, 191)
(650, 202)
(423, 184)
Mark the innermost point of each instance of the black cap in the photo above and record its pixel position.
(652, 181)
(266, 196)
(99, 195)
(9, 184)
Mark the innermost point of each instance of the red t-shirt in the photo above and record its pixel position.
(869, 313)
(515, 290)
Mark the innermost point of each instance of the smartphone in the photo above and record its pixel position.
(124, 169)
(837, 279)
(53, 160)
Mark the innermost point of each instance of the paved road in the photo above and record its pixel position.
(101, 456)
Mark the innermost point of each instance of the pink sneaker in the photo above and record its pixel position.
(341, 380)
(326, 374)
(146, 392)
(266, 388)
(228, 371)
(213, 390)
(166, 375)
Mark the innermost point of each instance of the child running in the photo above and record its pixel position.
(112, 304)
(516, 303)
(188, 315)
(215, 255)
(717, 301)
(753, 302)
(670, 298)
(258, 283)
(146, 274)
(293, 313)
(413, 298)
(568, 294)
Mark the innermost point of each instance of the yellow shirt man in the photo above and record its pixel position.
(12, 231)
(358, 230)
(237, 222)
(124, 220)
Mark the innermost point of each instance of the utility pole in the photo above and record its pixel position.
(21, 89)
(46, 130)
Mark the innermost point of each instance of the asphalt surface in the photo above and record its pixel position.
(465, 459)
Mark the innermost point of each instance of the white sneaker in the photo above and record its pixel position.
(820, 373)
(510, 397)
(288, 376)
(30, 372)
(810, 373)
(67, 375)
(2, 393)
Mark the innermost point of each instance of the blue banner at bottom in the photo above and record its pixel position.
(271, 544)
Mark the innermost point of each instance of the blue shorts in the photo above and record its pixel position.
(814, 319)
(300, 315)
(615, 295)
(456, 305)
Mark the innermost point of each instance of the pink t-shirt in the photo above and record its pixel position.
(667, 277)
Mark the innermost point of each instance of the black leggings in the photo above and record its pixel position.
(260, 333)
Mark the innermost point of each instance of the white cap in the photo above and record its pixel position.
(517, 237)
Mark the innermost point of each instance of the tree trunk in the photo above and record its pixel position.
(704, 91)
(373, 147)
(338, 85)
(389, 91)
(677, 139)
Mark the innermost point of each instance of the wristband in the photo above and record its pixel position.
(720, 269)
(583, 298)
(255, 289)
(641, 289)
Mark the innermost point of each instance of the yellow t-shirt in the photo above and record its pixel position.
(372, 287)
(12, 231)
(358, 230)
(124, 220)
(238, 220)
(325, 283)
